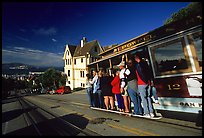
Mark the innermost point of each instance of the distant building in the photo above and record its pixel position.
(16, 76)
(36, 73)
(76, 59)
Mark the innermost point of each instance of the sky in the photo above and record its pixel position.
(36, 33)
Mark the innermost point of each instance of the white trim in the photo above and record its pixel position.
(176, 75)
(190, 54)
(189, 105)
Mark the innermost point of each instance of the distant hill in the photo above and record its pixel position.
(20, 68)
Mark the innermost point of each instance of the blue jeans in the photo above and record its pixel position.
(153, 92)
(120, 101)
(136, 101)
(146, 100)
(90, 96)
(98, 99)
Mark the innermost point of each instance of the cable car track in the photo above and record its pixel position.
(56, 126)
(164, 120)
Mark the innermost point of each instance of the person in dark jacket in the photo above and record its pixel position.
(106, 89)
(143, 73)
(133, 88)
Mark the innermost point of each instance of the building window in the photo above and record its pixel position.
(95, 49)
(82, 74)
(74, 61)
(69, 61)
(68, 73)
(82, 85)
(68, 82)
(81, 60)
(65, 61)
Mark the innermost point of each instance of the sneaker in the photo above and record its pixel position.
(151, 114)
(147, 115)
(136, 113)
(156, 102)
(121, 110)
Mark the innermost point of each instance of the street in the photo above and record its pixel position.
(75, 109)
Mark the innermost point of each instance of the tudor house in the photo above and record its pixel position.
(76, 59)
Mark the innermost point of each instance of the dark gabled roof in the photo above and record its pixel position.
(72, 49)
(108, 47)
(81, 51)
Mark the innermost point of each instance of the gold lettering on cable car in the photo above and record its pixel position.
(135, 42)
(173, 87)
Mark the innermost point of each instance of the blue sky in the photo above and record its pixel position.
(36, 33)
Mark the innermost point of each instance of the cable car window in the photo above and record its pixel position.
(170, 58)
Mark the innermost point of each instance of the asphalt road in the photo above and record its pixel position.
(74, 107)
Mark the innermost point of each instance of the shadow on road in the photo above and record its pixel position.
(197, 118)
(9, 100)
(8, 116)
(54, 127)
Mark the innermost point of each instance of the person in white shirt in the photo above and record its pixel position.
(123, 85)
(89, 90)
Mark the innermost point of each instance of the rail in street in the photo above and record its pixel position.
(69, 114)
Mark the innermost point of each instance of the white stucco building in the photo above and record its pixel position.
(76, 59)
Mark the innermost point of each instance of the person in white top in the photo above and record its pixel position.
(123, 85)
(89, 90)
(94, 81)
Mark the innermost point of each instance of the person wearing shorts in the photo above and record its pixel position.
(123, 86)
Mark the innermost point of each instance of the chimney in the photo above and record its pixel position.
(83, 41)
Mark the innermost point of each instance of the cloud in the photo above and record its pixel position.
(54, 40)
(43, 31)
(32, 57)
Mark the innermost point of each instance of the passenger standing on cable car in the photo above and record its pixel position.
(116, 90)
(133, 88)
(144, 77)
(152, 88)
(97, 94)
(106, 89)
(89, 90)
(123, 85)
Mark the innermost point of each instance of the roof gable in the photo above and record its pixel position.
(82, 51)
(71, 49)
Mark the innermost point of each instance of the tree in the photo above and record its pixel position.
(52, 79)
(7, 85)
(11, 84)
(194, 8)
